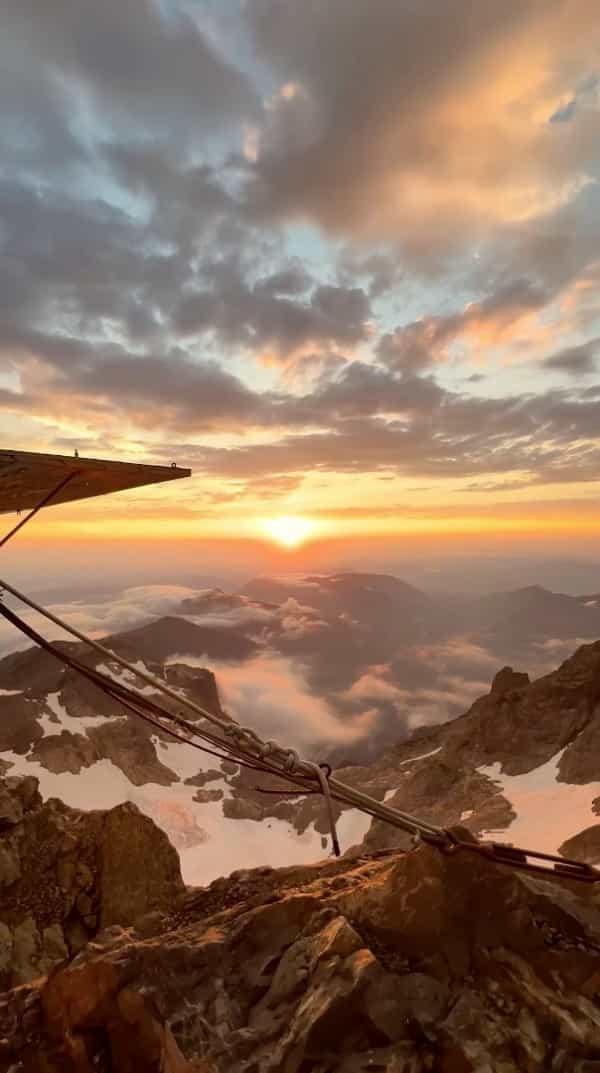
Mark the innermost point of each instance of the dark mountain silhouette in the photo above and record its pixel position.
(171, 635)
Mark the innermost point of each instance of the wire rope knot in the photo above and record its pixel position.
(267, 748)
(323, 773)
(292, 760)
(243, 736)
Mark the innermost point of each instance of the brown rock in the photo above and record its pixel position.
(238, 808)
(26, 949)
(507, 680)
(139, 869)
(65, 752)
(10, 865)
(127, 743)
(416, 963)
(19, 727)
(59, 869)
(203, 777)
(82, 699)
(395, 1002)
(6, 948)
(204, 796)
(54, 947)
(17, 796)
(578, 762)
(33, 670)
(584, 846)
(199, 683)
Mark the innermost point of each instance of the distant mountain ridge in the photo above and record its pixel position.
(535, 609)
(544, 733)
(532, 601)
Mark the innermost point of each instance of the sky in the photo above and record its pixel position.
(340, 258)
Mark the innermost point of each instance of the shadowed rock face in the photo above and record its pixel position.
(64, 874)
(33, 677)
(402, 963)
(170, 636)
(585, 846)
(507, 680)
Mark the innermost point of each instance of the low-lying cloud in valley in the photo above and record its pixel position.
(99, 617)
(338, 665)
(270, 694)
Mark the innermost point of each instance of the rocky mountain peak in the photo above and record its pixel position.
(507, 680)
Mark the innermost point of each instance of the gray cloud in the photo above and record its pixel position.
(415, 346)
(79, 259)
(161, 392)
(185, 198)
(375, 129)
(445, 435)
(291, 280)
(136, 62)
(576, 360)
(259, 317)
(382, 269)
(106, 615)
(87, 264)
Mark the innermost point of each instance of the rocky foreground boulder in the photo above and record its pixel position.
(66, 874)
(395, 962)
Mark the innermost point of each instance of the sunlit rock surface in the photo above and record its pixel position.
(401, 963)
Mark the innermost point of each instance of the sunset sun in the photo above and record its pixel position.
(289, 530)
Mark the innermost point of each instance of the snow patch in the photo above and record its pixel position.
(209, 843)
(231, 617)
(103, 785)
(423, 756)
(68, 722)
(186, 761)
(548, 812)
(127, 678)
(352, 827)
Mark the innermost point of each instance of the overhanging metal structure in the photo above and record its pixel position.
(27, 478)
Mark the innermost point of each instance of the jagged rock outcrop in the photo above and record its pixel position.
(519, 725)
(507, 680)
(584, 846)
(401, 963)
(64, 874)
(531, 723)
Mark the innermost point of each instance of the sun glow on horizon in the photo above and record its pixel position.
(289, 530)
